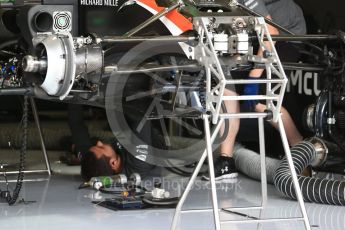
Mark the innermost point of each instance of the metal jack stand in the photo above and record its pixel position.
(208, 153)
(43, 147)
(214, 98)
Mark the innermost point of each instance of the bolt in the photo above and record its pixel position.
(267, 54)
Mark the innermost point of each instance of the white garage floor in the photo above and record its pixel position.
(60, 205)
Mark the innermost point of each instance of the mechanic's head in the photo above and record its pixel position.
(101, 160)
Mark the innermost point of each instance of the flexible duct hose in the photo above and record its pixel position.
(314, 190)
(248, 163)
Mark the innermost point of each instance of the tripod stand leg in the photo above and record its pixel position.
(211, 172)
(263, 169)
(190, 184)
(37, 121)
(183, 198)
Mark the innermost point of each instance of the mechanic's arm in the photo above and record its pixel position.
(256, 73)
(253, 88)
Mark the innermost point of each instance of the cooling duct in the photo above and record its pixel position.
(306, 153)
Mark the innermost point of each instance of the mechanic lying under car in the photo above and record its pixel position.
(103, 158)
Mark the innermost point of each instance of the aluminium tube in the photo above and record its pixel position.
(16, 91)
(122, 39)
(133, 69)
(152, 19)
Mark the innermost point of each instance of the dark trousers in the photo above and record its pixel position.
(80, 133)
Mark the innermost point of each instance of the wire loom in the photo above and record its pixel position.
(12, 199)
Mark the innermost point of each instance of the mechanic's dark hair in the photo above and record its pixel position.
(93, 167)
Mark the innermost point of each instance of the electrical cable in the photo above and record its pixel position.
(105, 190)
(116, 190)
(11, 199)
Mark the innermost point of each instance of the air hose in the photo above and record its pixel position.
(316, 190)
(248, 162)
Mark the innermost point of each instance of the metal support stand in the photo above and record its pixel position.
(38, 124)
(275, 82)
(208, 153)
(263, 169)
(183, 198)
(211, 171)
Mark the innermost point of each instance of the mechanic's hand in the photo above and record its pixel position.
(250, 90)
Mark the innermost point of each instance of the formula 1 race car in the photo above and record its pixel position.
(164, 59)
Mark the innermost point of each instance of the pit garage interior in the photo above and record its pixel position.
(149, 78)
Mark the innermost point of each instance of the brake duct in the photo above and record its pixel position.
(58, 61)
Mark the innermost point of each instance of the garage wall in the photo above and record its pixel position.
(323, 15)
